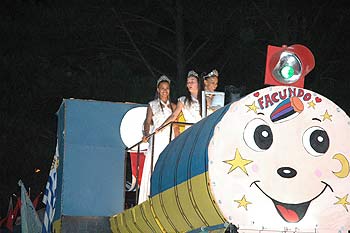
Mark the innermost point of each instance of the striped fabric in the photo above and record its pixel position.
(49, 198)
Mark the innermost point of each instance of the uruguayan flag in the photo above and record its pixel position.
(49, 198)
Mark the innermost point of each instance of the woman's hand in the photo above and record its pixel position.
(145, 139)
(158, 129)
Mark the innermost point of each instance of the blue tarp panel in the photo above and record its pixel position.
(91, 170)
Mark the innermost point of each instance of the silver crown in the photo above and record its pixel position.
(213, 73)
(162, 79)
(192, 73)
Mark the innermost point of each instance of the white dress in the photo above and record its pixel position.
(191, 112)
(161, 141)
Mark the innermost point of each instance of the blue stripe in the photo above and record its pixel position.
(186, 156)
(50, 202)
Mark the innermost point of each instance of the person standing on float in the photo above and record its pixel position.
(190, 105)
(158, 111)
(210, 84)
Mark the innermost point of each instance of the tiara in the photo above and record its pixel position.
(213, 73)
(162, 79)
(192, 73)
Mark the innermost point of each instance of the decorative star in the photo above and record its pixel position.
(343, 201)
(243, 202)
(238, 161)
(311, 104)
(326, 116)
(252, 107)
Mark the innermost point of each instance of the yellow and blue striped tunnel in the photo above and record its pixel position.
(181, 199)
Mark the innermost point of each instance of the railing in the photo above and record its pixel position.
(152, 135)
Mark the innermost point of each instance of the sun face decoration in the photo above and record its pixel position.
(279, 160)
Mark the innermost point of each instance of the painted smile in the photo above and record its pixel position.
(292, 212)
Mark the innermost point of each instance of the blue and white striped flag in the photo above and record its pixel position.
(49, 198)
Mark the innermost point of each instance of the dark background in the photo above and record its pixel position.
(116, 50)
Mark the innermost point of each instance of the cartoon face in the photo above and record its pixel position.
(279, 160)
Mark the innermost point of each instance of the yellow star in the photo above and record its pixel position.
(252, 107)
(243, 202)
(238, 161)
(343, 201)
(326, 116)
(311, 104)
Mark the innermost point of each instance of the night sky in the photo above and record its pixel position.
(116, 50)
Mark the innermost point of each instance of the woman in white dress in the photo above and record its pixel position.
(190, 105)
(158, 111)
(210, 84)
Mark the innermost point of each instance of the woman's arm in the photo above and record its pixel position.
(173, 116)
(176, 127)
(147, 124)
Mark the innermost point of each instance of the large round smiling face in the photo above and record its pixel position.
(279, 160)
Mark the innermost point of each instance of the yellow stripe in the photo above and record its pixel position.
(194, 202)
(155, 217)
(159, 215)
(137, 219)
(204, 200)
(120, 223)
(188, 206)
(143, 214)
(129, 220)
(114, 225)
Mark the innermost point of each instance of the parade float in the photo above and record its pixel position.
(277, 160)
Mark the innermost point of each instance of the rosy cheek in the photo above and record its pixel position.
(318, 173)
(255, 168)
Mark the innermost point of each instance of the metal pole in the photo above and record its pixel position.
(125, 168)
(137, 173)
(171, 131)
(152, 154)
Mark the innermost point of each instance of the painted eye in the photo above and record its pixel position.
(316, 141)
(258, 135)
